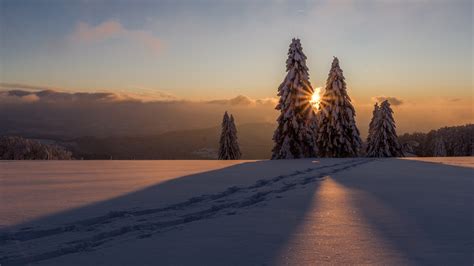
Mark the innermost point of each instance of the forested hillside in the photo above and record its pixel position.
(18, 148)
(446, 141)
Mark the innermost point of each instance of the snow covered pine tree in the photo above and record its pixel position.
(371, 125)
(228, 145)
(295, 134)
(384, 140)
(338, 135)
(235, 141)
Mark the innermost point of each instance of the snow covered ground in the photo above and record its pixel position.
(456, 161)
(297, 212)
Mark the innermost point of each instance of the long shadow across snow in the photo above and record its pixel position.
(424, 210)
(159, 228)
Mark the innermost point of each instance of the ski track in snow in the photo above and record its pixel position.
(90, 234)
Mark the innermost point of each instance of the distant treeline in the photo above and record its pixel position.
(446, 141)
(255, 140)
(18, 148)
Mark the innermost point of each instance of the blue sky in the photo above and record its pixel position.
(412, 49)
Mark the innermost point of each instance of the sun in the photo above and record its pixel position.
(316, 98)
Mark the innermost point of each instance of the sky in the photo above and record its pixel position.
(418, 52)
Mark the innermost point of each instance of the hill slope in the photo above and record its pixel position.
(273, 212)
(255, 141)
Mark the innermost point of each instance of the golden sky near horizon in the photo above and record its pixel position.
(419, 53)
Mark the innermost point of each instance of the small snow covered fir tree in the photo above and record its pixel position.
(372, 122)
(384, 140)
(228, 145)
(371, 125)
(338, 135)
(235, 141)
(295, 134)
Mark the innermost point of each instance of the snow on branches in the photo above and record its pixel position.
(295, 134)
(228, 145)
(383, 140)
(372, 122)
(338, 135)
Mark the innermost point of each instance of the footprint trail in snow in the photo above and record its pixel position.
(26, 246)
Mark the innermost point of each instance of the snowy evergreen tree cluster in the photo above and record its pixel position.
(331, 132)
(382, 140)
(303, 133)
(228, 145)
(18, 148)
(295, 134)
(446, 141)
(338, 135)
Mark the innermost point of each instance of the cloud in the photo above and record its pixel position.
(136, 93)
(105, 30)
(244, 101)
(392, 100)
(86, 33)
(39, 110)
(107, 113)
(51, 96)
(270, 101)
(21, 92)
(17, 96)
(13, 86)
(239, 100)
(149, 94)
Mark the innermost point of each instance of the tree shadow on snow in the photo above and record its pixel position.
(424, 210)
(194, 219)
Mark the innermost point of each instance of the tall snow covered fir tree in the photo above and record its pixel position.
(228, 144)
(384, 139)
(337, 135)
(295, 134)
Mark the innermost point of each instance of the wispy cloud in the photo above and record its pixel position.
(86, 33)
(51, 96)
(13, 86)
(18, 92)
(244, 100)
(392, 100)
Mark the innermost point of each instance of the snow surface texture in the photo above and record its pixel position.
(297, 212)
(295, 134)
(454, 161)
(338, 135)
